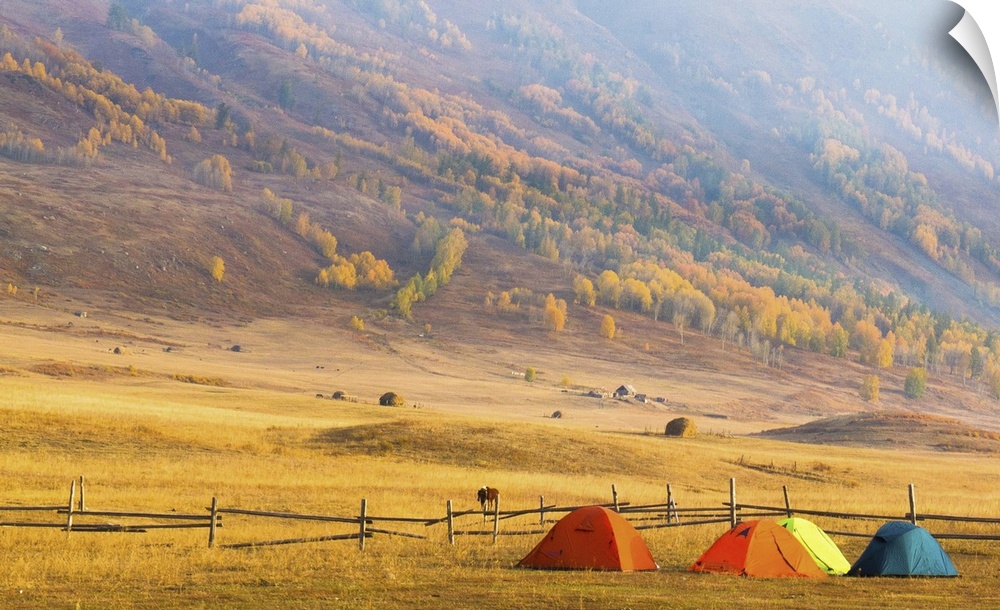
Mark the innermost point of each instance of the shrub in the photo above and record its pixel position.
(391, 399)
(530, 373)
(261, 167)
(682, 427)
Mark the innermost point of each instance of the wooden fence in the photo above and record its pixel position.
(77, 518)
(74, 516)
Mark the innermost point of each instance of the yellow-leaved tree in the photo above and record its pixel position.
(555, 313)
(217, 268)
(608, 327)
(215, 172)
(869, 388)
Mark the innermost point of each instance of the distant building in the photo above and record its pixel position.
(624, 391)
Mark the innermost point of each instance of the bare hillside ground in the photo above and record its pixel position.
(473, 361)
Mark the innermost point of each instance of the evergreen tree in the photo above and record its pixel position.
(286, 99)
(118, 17)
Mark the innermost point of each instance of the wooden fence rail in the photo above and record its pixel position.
(138, 515)
(824, 513)
(74, 516)
(364, 522)
(286, 515)
(913, 516)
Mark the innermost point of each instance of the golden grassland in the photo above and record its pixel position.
(155, 448)
(147, 439)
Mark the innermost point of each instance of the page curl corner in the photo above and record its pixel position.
(969, 33)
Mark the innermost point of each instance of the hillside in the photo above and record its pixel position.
(891, 429)
(760, 210)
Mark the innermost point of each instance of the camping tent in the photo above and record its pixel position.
(903, 549)
(823, 550)
(758, 548)
(591, 538)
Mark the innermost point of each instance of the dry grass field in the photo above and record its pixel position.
(251, 432)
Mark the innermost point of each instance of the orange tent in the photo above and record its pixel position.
(591, 538)
(762, 549)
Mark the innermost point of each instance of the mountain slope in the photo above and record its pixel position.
(736, 169)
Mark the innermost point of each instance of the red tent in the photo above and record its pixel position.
(591, 538)
(759, 548)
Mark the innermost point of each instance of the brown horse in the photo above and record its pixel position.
(487, 497)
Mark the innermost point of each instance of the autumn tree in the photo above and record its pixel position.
(215, 172)
(555, 313)
(217, 268)
(869, 388)
(410, 293)
(885, 353)
(371, 272)
(583, 288)
(608, 327)
(609, 288)
(279, 208)
(682, 316)
(341, 274)
(916, 383)
(838, 342)
(448, 256)
(867, 339)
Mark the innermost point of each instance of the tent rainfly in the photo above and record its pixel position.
(761, 549)
(903, 549)
(824, 551)
(591, 538)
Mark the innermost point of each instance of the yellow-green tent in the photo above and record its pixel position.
(823, 550)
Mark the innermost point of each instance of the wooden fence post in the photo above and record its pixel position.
(69, 513)
(451, 525)
(671, 505)
(788, 506)
(211, 526)
(363, 524)
(496, 520)
(732, 502)
(614, 496)
(83, 505)
(913, 506)
(541, 510)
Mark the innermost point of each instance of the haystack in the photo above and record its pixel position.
(682, 426)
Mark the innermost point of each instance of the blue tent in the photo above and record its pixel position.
(903, 549)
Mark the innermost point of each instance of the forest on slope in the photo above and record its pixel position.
(817, 177)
